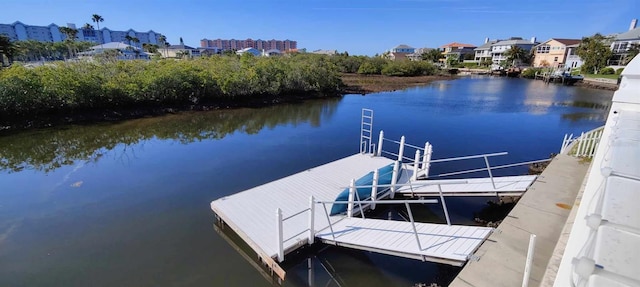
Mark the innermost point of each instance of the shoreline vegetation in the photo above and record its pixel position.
(108, 90)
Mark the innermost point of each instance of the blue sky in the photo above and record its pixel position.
(361, 27)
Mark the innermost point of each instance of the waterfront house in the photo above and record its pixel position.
(417, 55)
(124, 51)
(483, 53)
(403, 49)
(573, 61)
(623, 43)
(325, 52)
(179, 51)
(458, 51)
(553, 52)
(253, 51)
(499, 48)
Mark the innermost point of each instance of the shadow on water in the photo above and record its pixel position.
(48, 149)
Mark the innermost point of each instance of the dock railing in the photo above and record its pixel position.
(353, 200)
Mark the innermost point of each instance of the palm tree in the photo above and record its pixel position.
(7, 49)
(97, 19)
(71, 37)
(128, 38)
(162, 40)
(515, 54)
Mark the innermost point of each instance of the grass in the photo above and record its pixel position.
(613, 77)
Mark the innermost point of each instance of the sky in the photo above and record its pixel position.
(360, 27)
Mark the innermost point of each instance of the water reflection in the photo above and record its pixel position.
(48, 149)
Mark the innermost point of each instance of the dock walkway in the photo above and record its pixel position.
(449, 244)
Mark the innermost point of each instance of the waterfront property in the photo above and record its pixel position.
(624, 42)
(457, 51)
(122, 51)
(499, 48)
(555, 53)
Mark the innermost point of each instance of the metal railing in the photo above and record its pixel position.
(583, 146)
(366, 131)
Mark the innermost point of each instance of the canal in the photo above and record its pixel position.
(127, 203)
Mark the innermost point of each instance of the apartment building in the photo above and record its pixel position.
(19, 31)
(233, 44)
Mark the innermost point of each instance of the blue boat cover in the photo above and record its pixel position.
(384, 177)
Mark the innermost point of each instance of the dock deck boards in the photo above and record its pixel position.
(505, 185)
(252, 213)
(439, 242)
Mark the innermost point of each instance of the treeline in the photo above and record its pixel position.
(84, 86)
(32, 50)
(380, 66)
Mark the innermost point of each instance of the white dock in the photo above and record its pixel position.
(252, 213)
(440, 243)
(498, 186)
(279, 217)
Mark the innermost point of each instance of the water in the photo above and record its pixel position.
(127, 204)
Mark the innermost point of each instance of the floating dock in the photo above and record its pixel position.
(279, 217)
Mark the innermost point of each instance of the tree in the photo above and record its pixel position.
(594, 52)
(97, 19)
(486, 62)
(516, 55)
(433, 55)
(162, 41)
(7, 49)
(87, 26)
(71, 35)
(452, 60)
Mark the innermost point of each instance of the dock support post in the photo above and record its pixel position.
(280, 235)
(527, 266)
(374, 189)
(352, 192)
(312, 213)
(394, 178)
(380, 139)
(416, 164)
(401, 150)
(444, 205)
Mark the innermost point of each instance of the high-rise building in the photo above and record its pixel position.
(234, 44)
(19, 31)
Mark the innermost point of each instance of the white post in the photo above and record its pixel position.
(416, 163)
(426, 164)
(394, 178)
(444, 205)
(280, 235)
(401, 150)
(424, 156)
(374, 189)
(312, 213)
(380, 139)
(527, 266)
(580, 143)
(352, 192)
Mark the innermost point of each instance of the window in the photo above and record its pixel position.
(555, 59)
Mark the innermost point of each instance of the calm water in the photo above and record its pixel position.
(127, 204)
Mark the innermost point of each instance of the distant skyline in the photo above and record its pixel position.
(361, 27)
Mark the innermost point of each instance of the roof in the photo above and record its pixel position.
(403, 46)
(181, 46)
(487, 45)
(513, 42)
(456, 44)
(112, 45)
(566, 42)
(629, 35)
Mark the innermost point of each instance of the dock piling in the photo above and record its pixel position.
(312, 213)
(352, 191)
(280, 235)
(374, 189)
(380, 139)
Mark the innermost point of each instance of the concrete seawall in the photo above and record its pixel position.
(543, 210)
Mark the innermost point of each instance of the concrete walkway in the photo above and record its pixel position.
(503, 255)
